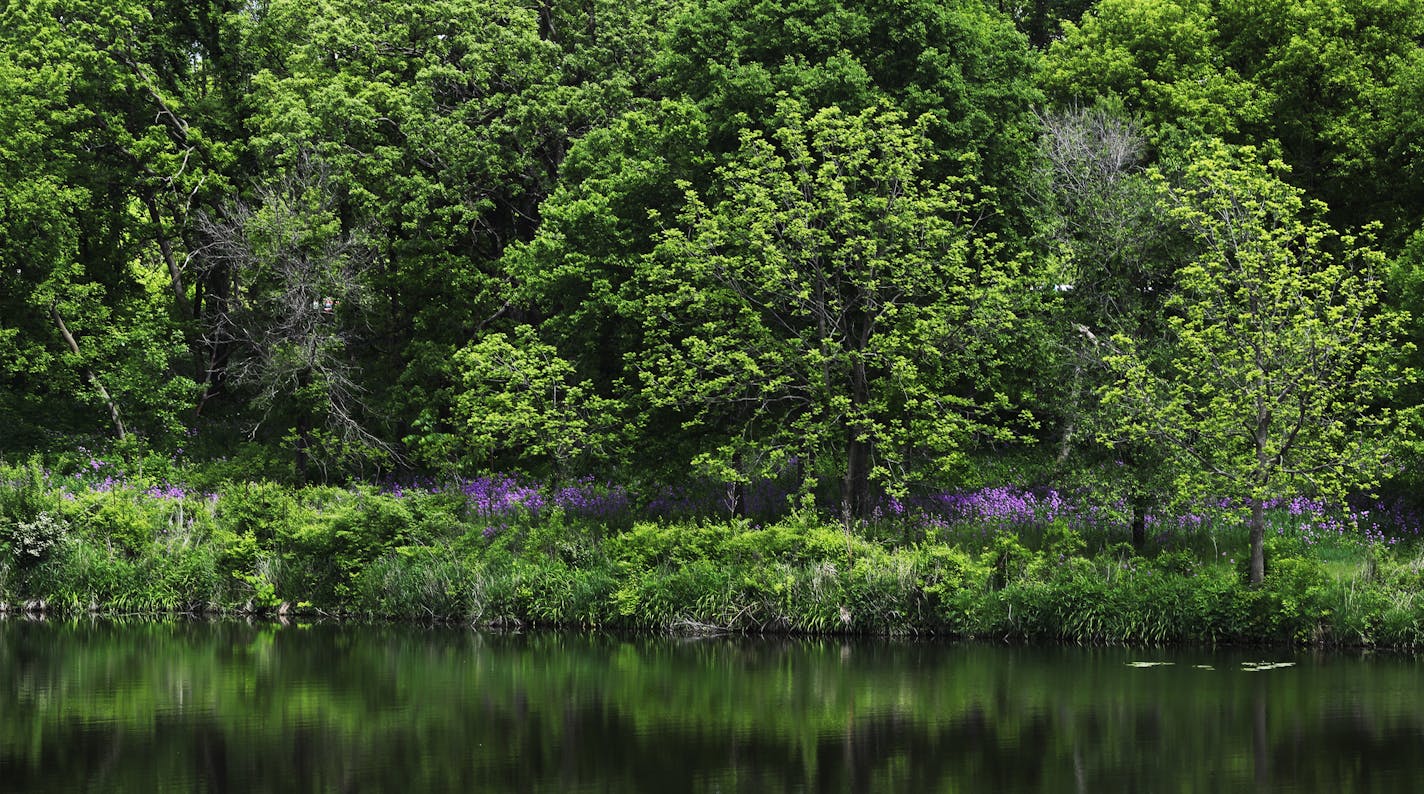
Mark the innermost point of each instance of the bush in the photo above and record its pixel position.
(30, 542)
(1295, 587)
(262, 511)
(120, 520)
(31, 519)
(950, 582)
(25, 493)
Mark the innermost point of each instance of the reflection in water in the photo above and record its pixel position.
(239, 707)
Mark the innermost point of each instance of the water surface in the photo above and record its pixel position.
(228, 706)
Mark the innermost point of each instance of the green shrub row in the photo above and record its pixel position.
(427, 556)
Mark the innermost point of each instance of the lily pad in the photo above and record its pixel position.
(1257, 667)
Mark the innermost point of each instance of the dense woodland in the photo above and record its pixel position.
(868, 248)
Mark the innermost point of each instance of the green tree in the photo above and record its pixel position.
(1160, 60)
(1332, 72)
(1041, 20)
(1329, 82)
(577, 274)
(724, 68)
(444, 124)
(830, 304)
(1278, 352)
(1406, 289)
(520, 402)
(92, 301)
(431, 121)
(960, 63)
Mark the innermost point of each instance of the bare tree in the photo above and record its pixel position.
(1103, 218)
(1102, 213)
(295, 303)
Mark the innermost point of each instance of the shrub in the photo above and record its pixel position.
(1011, 561)
(1296, 589)
(263, 511)
(25, 493)
(664, 597)
(30, 542)
(120, 520)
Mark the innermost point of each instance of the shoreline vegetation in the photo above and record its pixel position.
(996, 563)
(1096, 321)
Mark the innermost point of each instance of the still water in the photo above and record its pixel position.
(195, 706)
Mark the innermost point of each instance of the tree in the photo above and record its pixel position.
(1160, 60)
(958, 62)
(444, 124)
(519, 400)
(1406, 290)
(1102, 221)
(724, 68)
(1041, 20)
(86, 301)
(297, 303)
(1330, 84)
(1278, 353)
(830, 304)
(1332, 72)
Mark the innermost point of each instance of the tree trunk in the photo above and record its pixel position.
(1139, 524)
(855, 498)
(855, 495)
(217, 305)
(1258, 504)
(1258, 540)
(1075, 395)
(175, 274)
(737, 491)
(303, 433)
(89, 377)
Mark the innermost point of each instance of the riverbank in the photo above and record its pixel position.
(994, 564)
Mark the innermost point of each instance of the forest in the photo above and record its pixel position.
(814, 315)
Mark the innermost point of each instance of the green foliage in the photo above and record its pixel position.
(1328, 84)
(322, 555)
(28, 542)
(25, 495)
(416, 581)
(1158, 58)
(1278, 350)
(753, 329)
(822, 242)
(1297, 588)
(360, 552)
(103, 155)
(119, 520)
(519, 401)
(959, 63)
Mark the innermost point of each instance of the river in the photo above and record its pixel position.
(97, 705)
